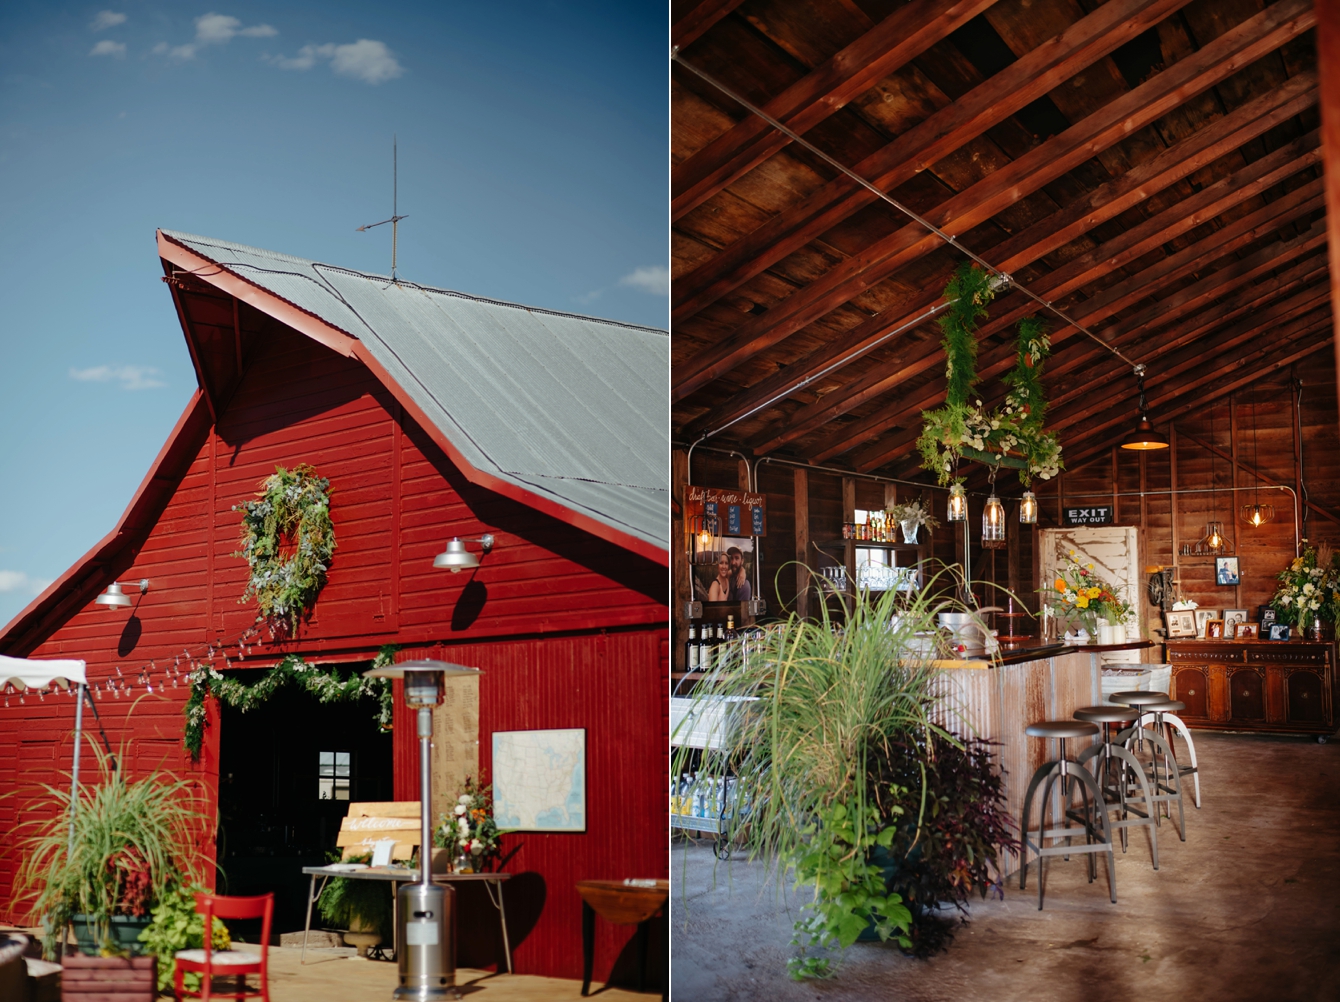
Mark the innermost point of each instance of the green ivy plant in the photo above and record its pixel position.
(178, 926)
(328, 685)
(1012, 435)
(287, 540)
(346, 902)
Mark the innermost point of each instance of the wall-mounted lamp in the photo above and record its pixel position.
(115, 598)
(1028, 509)
(457, 558)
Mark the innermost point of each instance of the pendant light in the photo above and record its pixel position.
(1256, 514)
(1144, 438)
(1028, 509)
(958, 504)
(993, 524)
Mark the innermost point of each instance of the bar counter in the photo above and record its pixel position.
(997, 699)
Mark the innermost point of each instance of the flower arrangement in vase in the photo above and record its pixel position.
(911, 517)
(1082, 593)
(1309, 588)
(469, 832)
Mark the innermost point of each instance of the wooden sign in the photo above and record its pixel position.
(1097, 514)
(736, 512)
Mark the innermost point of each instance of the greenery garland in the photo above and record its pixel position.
(328, 686)
(287, 540)
(1011, 435)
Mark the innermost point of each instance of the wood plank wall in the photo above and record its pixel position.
(575, 625)
(1262, 552)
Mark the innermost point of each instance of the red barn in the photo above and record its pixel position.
(434, 415)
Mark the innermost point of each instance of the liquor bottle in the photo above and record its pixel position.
(731, 641)
(721, 652)
(691, 649)
(705, 647)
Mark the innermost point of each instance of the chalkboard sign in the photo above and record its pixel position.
(1098, 514)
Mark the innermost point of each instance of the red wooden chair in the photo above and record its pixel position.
(209, 962)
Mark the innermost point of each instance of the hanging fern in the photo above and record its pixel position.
(1012, 435)
(287, 540)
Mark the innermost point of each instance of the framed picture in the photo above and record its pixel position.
(1226, 571)
(1181, 623)
(1267, 614)
(1232, 617)
(1279, 631)
(1203, 616)
(1247, 631)
(1214, 629)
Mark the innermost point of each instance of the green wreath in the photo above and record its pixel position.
(287, 540)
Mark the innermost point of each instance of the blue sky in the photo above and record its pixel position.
(533, 167)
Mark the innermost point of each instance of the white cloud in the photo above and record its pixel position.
(131, 377)
(105, 19)
(367, 60)
(214, 29)
(654, 279)
(588, 297)
(109, 48)
(19, 581)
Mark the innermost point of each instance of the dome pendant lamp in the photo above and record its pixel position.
(1144, 438)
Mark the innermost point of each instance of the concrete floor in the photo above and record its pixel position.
(332, 976)
(1247, 908)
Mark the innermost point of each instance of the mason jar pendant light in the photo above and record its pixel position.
(958, 504)
(1028, 509)
(993, 524)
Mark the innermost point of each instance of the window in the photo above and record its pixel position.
(333, 775)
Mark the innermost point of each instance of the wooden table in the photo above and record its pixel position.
(623, 903)
(403, 875)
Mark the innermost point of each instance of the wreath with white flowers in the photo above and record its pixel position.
(1012, 435)
(287, 539)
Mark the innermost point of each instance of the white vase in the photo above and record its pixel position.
(1111, 633)
(910, 527)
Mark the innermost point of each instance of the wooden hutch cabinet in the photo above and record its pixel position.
(1277, 686)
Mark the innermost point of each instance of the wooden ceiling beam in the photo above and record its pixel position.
(990, 103)
(690, 25)
(860, 433)
(1108, 200)
(1217, 60)
(904, 441)
(902, 36)
(1321, 341)
(1328, 59)
(1231, 238)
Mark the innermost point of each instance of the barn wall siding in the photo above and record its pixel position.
(396, 500)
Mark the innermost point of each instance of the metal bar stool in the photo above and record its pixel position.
(1093, 822)
(1166, 721)
(1117, 789)
(1167, 782)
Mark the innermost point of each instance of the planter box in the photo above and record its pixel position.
(109, 979)
(126, 931)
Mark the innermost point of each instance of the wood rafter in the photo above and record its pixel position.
(1165, 91)
(906, 33)
(1191, 154)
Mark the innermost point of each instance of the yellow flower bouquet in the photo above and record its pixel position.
(1081, 594)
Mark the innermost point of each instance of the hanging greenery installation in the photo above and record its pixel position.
(328, 685)
(1012, 435)
(287, 540)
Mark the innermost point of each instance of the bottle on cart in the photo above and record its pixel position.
(691, 649)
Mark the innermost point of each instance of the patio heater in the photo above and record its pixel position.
(425, 942)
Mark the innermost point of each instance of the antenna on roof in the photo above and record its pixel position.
(395, 218)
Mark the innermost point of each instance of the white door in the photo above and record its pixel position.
(1114, 551)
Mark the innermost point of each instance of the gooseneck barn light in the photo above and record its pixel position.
(457, 558)
(1144, 438)
(425, 943)
(115, 598)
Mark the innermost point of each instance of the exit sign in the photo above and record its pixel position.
(1098, 514)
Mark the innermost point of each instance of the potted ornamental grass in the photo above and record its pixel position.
(133, 843)
(829, 718)
(911, 516)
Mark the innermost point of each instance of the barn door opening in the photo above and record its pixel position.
(288, 771)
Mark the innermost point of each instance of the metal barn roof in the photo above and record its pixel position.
(570, 407)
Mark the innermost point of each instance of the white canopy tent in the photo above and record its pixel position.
(32, 674)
